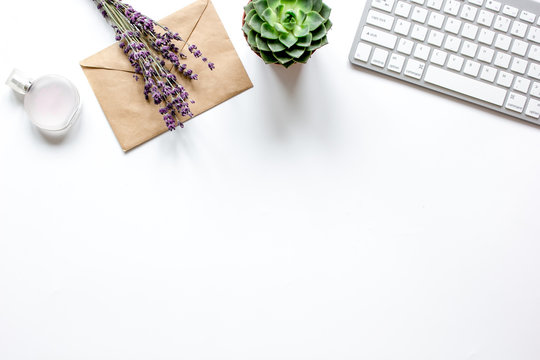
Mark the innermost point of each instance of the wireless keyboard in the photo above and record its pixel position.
(482, 51)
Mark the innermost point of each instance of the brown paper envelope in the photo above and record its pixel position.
(135, 120)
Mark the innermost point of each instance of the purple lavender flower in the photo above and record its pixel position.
(137, 36)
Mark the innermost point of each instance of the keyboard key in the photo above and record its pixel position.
(502, 60)
(534, 70)
(435, 38)
(436, 20)
(502, 23)
(533, 109)
(510, 10)
(477, 2)
(471, 68)
(515, 102)
(405, 46)
(402, 27)
(378, 37)
(488, 73)
(419, 14)
(468, 12)
(486, 36)
(519, 29)
(485, 18)
(434, 4)
(522, 85)
(503, 42)
(396, 63)
(505, 79)
(469, 49)
(452, 7)
(419, 32)
(402, 9)
(465, 85)
(414, 69)
(379, 57)
(485, 54)
(534, 53)
(534, 34)
(363, 51)
(493, 5)
(455, 62)
(469, 31)
(420, 2)
(519, 47)
(452, 25)
(384, 5)
(422, 51)
(519, 66)
(380, 20)
(452, 43)
(527, 16)
(535, 90)
(438, 57)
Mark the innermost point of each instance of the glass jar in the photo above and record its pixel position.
(52, 102)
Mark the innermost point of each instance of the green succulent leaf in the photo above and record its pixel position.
(288, 2)
(268, 57)
(313, 20)
(301, 16)
(328, 24)
(305, 41)
(270, 16)
(246, 29)
(261, 44)
(276, 45)
(250, 15)
(288, 39)
(305, 57)
(273, 4)
(248, 7)
(300, 31)
(256, 22)
(280, 28)
(317, 5)
(318, 44)
(283, 57)
(295, 52)
(319, 33)
(260, 6)
(279, 10)
(287, 64)
(268, 32)
(325, 12)
(251, 39)
(306, 5)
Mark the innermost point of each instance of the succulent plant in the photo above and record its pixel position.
(286, 31)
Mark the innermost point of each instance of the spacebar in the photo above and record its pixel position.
(465, 85)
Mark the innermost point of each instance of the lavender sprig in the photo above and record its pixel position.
(147, 51)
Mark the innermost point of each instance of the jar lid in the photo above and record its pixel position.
(19, 82)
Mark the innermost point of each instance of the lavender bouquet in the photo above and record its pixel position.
(148, 45)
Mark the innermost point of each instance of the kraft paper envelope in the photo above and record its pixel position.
(135, 120)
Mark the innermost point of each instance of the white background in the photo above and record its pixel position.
(327, 213)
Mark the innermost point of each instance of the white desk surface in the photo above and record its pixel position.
(327, 213)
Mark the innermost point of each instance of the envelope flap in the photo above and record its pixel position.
(183, 22)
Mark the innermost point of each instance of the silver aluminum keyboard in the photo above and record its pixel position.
(482, 51)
